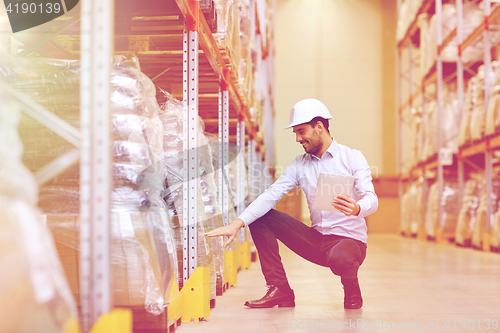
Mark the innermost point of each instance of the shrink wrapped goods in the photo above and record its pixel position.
(142, 264)
(412, 208)
(210, 252)
(406, 213)
(450, 210)
(468, 212)
(430, 132)
(473, 16)
(480, 225)
(32, 283)
(246, 72)
(495, 231)
(450, 124)
(470, 100)
(228, 29)
(493, 110)
(407, 12)
(478, 116)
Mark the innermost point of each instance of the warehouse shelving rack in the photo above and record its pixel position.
(187, 51)
(471, 154)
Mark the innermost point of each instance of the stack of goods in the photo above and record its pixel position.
(417, 207)
(480, 225)
(467, 216)
(413, 136)
(412, 209)
(54, 84)
(142, 255)
(450, 209)
(478, 116)
(34, 293)
(245, 69)
(407, 12)
(228, 30)
(171, 115)
(449, 127)
(472, 17)
(493, 111)
(470, 101)
(495, 231)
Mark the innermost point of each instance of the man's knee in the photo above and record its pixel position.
(345, 259)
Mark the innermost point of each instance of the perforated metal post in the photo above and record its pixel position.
(460, 92)
(410, 94)
(488, 83)
(400, 135)
(224, 149)
(95, 163)
(241, 172)
(439, 88)
(190, 143)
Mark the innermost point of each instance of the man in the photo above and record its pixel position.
(336, 239)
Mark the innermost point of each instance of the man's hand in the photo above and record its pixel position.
(229, 230)
(345, 204)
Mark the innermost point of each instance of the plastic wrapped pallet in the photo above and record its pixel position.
(450, 210)
(407, 12)
(495, 231)
(139, 279)
(417, 206)
(493, 110)
(468, 212)
(34, 293)
(419, 135)
(406, 213)
(480, 225)
(245, 69)
(171, 116)
(423, 24)
(473, 17)
(54, 85)
(228, 29)
(464, 135)
(430, 140)
(478, 116)
(142, 250)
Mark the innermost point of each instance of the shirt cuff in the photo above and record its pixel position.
(246, 218)
(362, 208)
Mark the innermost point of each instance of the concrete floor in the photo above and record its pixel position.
(408, 285)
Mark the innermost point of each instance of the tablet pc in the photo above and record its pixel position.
(329, 186)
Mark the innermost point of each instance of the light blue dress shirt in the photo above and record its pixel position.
(304, 171)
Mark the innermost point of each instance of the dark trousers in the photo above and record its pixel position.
(342, 255)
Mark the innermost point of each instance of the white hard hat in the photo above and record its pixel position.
(306, 110)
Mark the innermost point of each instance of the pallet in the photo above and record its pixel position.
(145, 322)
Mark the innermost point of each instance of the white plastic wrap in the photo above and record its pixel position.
(34, 293)
(468, 212)
(449, 203)
(473, 17)
(228, 28)
(480, 225)
(493, 110)
(470, 99)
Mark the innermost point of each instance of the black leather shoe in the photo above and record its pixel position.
(273, 297)
(352, 295)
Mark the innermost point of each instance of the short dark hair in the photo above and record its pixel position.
(324, 121)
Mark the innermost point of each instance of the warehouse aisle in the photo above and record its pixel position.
(407, 284)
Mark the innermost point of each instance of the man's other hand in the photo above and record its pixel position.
(345, 204)
(229, 230)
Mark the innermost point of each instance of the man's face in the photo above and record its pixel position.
(308, 137)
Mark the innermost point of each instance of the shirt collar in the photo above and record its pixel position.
(332, 150)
